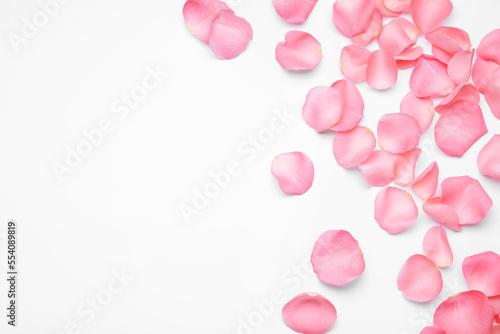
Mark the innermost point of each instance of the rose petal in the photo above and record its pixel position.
(352, 17)
(441, 55)
(495, 302)
(398, 5)
(353, 107)
(449, 40)
(459, 67)
(482, 73)
(430, 78)
(432, 330)
(492, 94)
(382, 70)
(404, 166)
(419, 279)
(422, 109)
(425, 184)
(466, 313)
(199, 14)
(461, 124)
(294, 172)
(309, 313)
(337, 258)
(437, 247)
(489, 48)
(395, 210)
(378, 169)
(380, 4)
(354, 61)
(353, 147)
(464, 91)
(371, 32)
(398, 132)
(429, 15)
(299, 51)
(482, 272)
(409, 58)
(488, 160)
(323, 108)
(294, 11)
(397, 35)
(229, 35)
(442, 213)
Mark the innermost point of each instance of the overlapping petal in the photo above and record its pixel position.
(323, 108)
(398, 5)
(294, 172)
(419, 279)
(430, 78)
(442, 213)
(395, 210)
(492, 93)
(371, 32)
(352, 17)
(378, 169)
(488, 160)
(398, 132)
(299, 51)
(425, 184)
(229, 35)
(352, 147)
(460, 66)
(354, 62)
(464, 91)
(397, 35)
(294, 11)
(449, 40)
(199, 14)
(382, 70)
(404, 166)
(489, 48)
(482, 272)
(428, 15)
(352, 111)
(482, 73)
(437, 248)
(421, 108)
(409, 58)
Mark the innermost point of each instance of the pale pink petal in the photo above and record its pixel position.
(449, 40)
(425, 184)
(294, 172)
(323, 108)
(442, 213)
(398, 5)
(430, 78)
(309, 313)
(437, 248)
(492, 94)
(482, 73)
(395, 210)
(495, 302)
(482, 272)
(337, 258)
(404, 166)
(378, 169)
(464, 91)
(371, 32)
(229, 35)
(409, 58)
(419, 279)
(459, 67)
(397, 35)
(352, 147)
(421, 108)
(354, 61)
(467, 197)
(199, 14)
(489, 48)
(398, 132)
(382, 70)
(353, 107)
(466, 313)
(428, 15)
(432, 330)
(461, 124)
(488, 159)
(352, 17)
(294, 11)
(380, 4)
(299, 51)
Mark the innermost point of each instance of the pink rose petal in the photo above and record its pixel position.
(489, 48)
(441, 55)
(371, 32)
(482, 272)
(294, 11)
(482, 73)
(495, 302)
(353, 106)
(425, 184)
(432, 330)
(337, 258)
(428, 15)
(430, 78)
(419, 279)
(404, 166)
(380, 4)
(422, 109)
(294, 172)
(299, 51)
(323, 108)
(354, 61)
(352, 147)
(442, 213)
(398, 5)
(229, 35)
(397, 35)
(409, 58)
(460, 66)
(449, 39)
(352, 17)
(382, 70)
(437, 247)
(199, 14)
(488, 160)
(378, 169)
(464, 91)
(492, 93)
(398, 132)
(395, 210)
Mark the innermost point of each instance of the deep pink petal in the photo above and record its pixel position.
(430, 78)
(432, 330)
(459, 67)
(449, 39)
(199, 14)
(395, 210)
(371, 32)
(229, 35)
(464, 91)
(428, 15)
(488, 160)
(489, 48)
(482, 73)
(353, 107)
(409, 58)
(354, 61)
(294, 172)
(337, 258)
(404, 166)
(398, 5)
(352, 17)
(419, 279)
(442, 213)
(309, 313)
(378, 169)
(294, 11)
(382, 70)
(299, 51)
(492, 93)
(397, 35)
(466, 313)
(461, 124)
(425, 184)
(437, 248)
(482, 272)
(323, 108)
(352, 147)
(398, 132)
(421, 108)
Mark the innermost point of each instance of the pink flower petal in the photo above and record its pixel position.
(380, 4)
(199, 14)
(309, 313)
(294, 11)
(352, 17)
(398, 132)
(352, 112)
(422, 109)
(429, 15)
(489, 48)
(395, 210)
(419, 279)
(323, 108)
(397, 35)
(294, 172)
(482, 272)
(442, 213)
(461, 124)
(466, 313)
(482, 73)
(337, 258)
(441, 55)
(398, 5)
(464, 91)
(449, 39)
(371, 32)
(459, 67)
(488, 159)
(430, 78)
(229, 35)
(437, 247)
(404, 166)
(492, 93)
(409, 58)
(352, 147)
(354, 61)
(378, 169)
(382, 70)
(432, 330)
(495, 302)
(299, 51)
(425, 184)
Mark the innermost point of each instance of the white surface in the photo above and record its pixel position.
(119, 209)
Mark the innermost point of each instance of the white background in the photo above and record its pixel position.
(119, 209)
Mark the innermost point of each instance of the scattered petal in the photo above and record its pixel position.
(425, 184)
(404, 166)
(482, 272)
(482, 73)
(294, 11)
(398, 132)
(488, 159)
(449, 40)
(353, 106)
(397, 35)
(354, 61)
(421, 108)
(199, 14)
(460, 65)
(371, 32)
(492, 94)
(395, 210)
(437, 248)
(323, 108)
(489, 48)
(352, 17)
(429, 15)
(430, 78)
(419, 279)
(294, 172)
(398, 5)
(382, 70)
(464, 91)
(229, 35)
(378, 169)
(442, 213)
(352, 147)
(409, 58)
(299, 51)
(380, 4)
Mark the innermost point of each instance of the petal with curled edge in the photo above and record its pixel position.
(199, 14)
(352, 17)
(229, 35)
(294, 11)
(428, 15)
(294, 172)
(404, 166)
(409, 58)
(442, 213)
(449, 39)
(352, 147)
(421, 108)
(395, 210)
(371, 32)
(460, 66)
(489, 47)
(380, 4)
(425, 184)
(488, 160)
(464, 91)
(354, 61)
(299, 51)
(437, 248)
(352, 111)
(382, 70)
(378, 169)
(482, 272)
(420, 279)
(430, 78)
(397, 35)
(323, 108)
(398, 5)
(398, 132)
